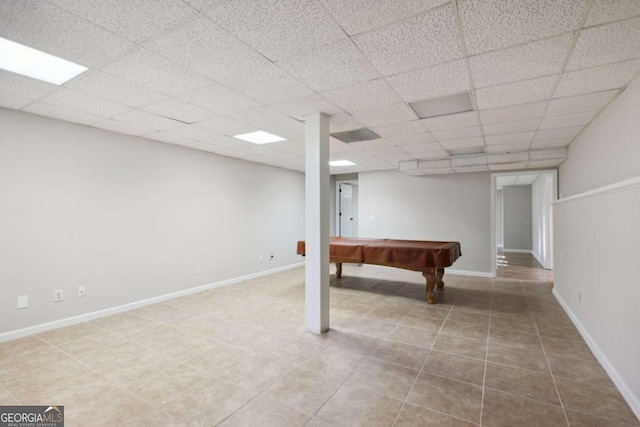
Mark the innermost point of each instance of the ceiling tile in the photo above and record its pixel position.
(507, 148)
(357, 97)
(511, 127)
(202, 5)
(421, 148)
(13, 101)
(343, 122)
(414, 43)
(460, 133)
(462, 143)
(85, 103)
(385, 114)
(15, 84)
(508, 166)
(580, 103)
(45, 27)
(179, 110)
(299, 108)
(269, 120)
(218, 99)
(603, 11)
(567, 132)
(155, 72)
(375, 144)
(544, 163)
(148, 120)
(209, 50)
(136, 20)
(516, 93)
(522, 62)
(513, 113)
(226, 126)
(269, 84)
(121, 127)
(495, 24)
(195, 133)
(277, 28)
(399, 130)
(62, 113)
(336, 146)
(431, 155)
(509, 138)
(451, 121)
(597, 79)
(606, 44)
(550, 143)
(114, 89)
(291, 147)
(577, 119)
(419, 138)
(330, 66)
(357, 16)
(169, 138)
(433, 82)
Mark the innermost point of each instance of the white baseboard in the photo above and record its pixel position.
(632, 400)
(522, 251)
(467, 273)
(69, 321)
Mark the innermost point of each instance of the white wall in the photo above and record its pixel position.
(541, 193)
(499, 220)
(443, 207)
(597, 240)
(517, 217)
(129, 218)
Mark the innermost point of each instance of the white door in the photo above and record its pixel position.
(346, 210)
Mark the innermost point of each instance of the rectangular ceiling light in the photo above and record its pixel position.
(466, 150)
(443, 106)
(33, 63)
(357, 135)
(259, 137)
(341, 163)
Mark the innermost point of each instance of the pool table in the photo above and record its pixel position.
(428, 257)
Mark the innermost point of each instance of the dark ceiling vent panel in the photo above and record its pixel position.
(443, 106)
(363, 134)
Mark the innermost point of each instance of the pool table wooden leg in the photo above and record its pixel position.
(439, 274)
(430, 275)
(338, 270)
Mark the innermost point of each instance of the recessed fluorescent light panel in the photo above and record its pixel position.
(341, 163)
(443, 106)
(466, 150)
(357, 135)
(259, 137)
(32, 63)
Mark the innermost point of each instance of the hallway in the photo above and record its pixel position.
(522, 266)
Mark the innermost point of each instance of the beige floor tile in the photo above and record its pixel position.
(265, 412)
(594, 400)
(416, 416)
(580, 419)
(523, 326)
(155, 419)
(97, 340)
(6, 398)
(334, 363)
(515, 339)
(373, 327)
(462, 400)
(421, 321)
(505, 410)
(579, 370)
(351, 341)
(420, 337)
(462, 346)
(304, 391)
(354, 406)
(521, 382)
(208, 405)
(59, 336)
(463, 316)
(21, 363)
(567, 348)
(520, 358)
(401, 354)
(464, 329)
(384, 378)
(16, 349)
(457, 367)
(111, 409)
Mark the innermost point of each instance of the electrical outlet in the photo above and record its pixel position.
(81, 291)
(58, 295)
(23, 301)
(197, 269)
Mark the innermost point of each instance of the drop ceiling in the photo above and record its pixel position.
(195, 72)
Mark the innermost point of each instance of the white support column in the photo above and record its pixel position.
(316, 294)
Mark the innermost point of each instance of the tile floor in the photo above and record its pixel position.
(491, 352)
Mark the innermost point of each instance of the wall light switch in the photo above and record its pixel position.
(23, 301)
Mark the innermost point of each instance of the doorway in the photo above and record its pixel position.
(347, 208)
(522, 224)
